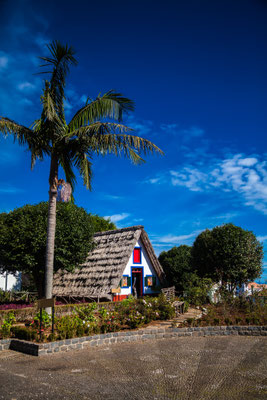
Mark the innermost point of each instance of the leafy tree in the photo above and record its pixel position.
(197, 290)
(228, 254)
(23, 239)
(176, 263)
(95, 129)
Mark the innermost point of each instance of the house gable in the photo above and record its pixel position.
(151, 285)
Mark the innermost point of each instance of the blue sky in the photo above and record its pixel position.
(197, 73)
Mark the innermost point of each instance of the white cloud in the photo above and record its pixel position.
(171, 240)
(3, 61)
(83, 99)
(117, 217)
(26, 86)
(262, 239)
(190, 178)
(246, 176)
(186, 134)
(8, 189)
(112, 197)
(248, 162)
(142, 127)
(153, 180)
(26, 102)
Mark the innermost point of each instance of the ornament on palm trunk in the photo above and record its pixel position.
(64, 191)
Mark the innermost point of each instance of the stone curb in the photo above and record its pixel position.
(41, 349)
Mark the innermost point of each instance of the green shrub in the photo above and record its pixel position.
(228, 321)
(46, 319)
(87, 313)
(165, 308)
(7, 324)
(51, 337)
(186, 306)
(23, 333)
(190, 321)
(67, 326)
(216, 321)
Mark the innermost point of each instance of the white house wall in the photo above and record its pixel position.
(148, 270)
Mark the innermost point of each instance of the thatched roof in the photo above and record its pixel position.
(105, 264)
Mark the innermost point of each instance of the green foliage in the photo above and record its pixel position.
(23, 238)
(164, 307)
(46, 319)
(4, 296)
(87, 313)
(197, 291)
(23, 333)
(67, 326)
(176, 263)
(236, 311)
(100, 224)
(7, 324)
(228, 254)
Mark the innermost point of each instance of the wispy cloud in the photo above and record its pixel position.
(191, 178)
(8, 189)
(246, 176)
(3, 60)
(142, 127)
(174, 240)
(112, 197)
(186, 134)
(262, 239)
(117, 217)
(26, 87)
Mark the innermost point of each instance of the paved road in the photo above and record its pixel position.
(217, 368)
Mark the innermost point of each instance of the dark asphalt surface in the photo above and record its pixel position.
(218, 368)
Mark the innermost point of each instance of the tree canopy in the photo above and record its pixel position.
(23, 238)
(228, 254)
(176, 263)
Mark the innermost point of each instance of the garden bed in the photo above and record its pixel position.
(89, 319)
(235, 311)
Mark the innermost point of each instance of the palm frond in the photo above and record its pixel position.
(20, 132)
(85, 169)
(111, 105)
(49, 113)
(102, 138)
(62, 56)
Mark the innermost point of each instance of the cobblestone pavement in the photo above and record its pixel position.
(217, 368)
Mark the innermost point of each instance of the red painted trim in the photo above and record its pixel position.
(137, 255)
(119, 297)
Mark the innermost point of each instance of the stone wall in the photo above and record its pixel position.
(129, 336)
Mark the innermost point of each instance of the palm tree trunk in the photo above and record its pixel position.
(51, 227)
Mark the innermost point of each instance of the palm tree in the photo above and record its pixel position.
(95, 129)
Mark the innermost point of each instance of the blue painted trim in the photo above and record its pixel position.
(143, 280)
(126, 276)
(138, 247)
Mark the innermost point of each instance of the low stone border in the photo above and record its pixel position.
(129, 336)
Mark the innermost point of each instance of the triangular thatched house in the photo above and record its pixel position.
(123, 262)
